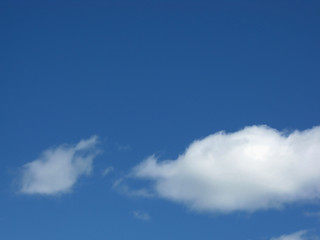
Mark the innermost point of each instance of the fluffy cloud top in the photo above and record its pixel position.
(58, 169)
(255, 168)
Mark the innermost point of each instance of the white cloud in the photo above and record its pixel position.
(301, 235)
(58, 169)
(141, 215)
(255, 168)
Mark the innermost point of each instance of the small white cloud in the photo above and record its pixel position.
(58, 169)
(107, 171)
(121, 186)
(301, 235)
(255, 168)
(141, 215)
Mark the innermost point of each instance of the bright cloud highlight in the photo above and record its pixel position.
(58, 169)
(255, 168)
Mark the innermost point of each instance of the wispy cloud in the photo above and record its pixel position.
(123, 147)
(255, 168)
(301, 235)
(121, 186)
(58, 169)
(141, 215)
(107, 171)
(312, 214)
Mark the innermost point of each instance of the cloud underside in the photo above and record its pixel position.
(255, 168)
(58, 169)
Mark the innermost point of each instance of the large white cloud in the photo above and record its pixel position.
(255, 168)
(58, 169)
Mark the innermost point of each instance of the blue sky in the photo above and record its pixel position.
(160, 120)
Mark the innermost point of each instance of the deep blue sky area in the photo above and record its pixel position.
(148, 77)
